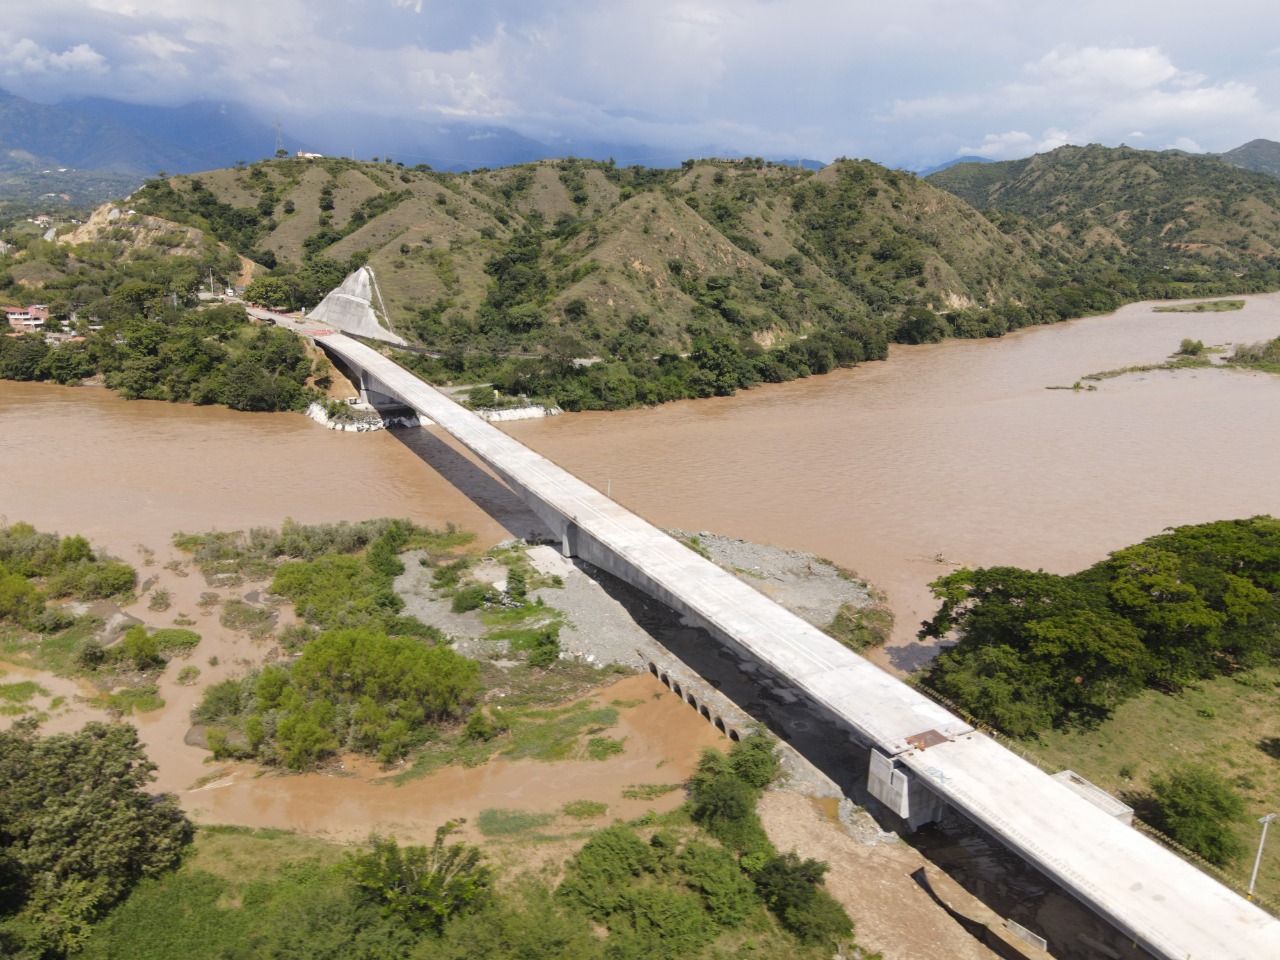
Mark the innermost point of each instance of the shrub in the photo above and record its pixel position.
(222, 701)
(1196, 807)
(171, 639)
(470, 598)
(792, 889)
(497, 822)
(238, 615)
(424, 886)
(602, 748)
(604, 869)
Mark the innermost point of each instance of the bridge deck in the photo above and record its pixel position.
(1167, 905)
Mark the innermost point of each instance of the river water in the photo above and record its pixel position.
(956, 453)
(945, 454)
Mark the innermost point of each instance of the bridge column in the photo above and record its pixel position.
(902, 792)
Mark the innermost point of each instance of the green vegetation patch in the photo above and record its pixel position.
(354, 689)
(648, 791)
(1202, 306)
(1258, 356)
(602, 748)
(21, 692)
(1038, 650)
(255, 554)
(861, 627)
(585, 809)
(554, 734)
(238, 615)
(498, 822)
(36, 566)
(130, 700)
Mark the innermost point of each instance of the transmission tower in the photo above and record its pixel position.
(279, 139)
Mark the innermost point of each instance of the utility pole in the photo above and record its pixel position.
(1266, 822)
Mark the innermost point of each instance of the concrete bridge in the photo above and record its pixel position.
(922, 758)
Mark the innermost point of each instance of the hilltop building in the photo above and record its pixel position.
(27, 319)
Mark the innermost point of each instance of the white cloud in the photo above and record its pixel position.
(159, 46)
(27, 56)
(1114, 68)
(1018, 143)
(941, 106)
(811, 77)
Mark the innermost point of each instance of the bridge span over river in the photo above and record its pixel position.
(922, 757)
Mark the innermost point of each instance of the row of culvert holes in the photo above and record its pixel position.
(674, 687)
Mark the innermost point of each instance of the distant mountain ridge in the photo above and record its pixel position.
(141, 140)
(1150, 207)
(1260, 155)
(951, 163)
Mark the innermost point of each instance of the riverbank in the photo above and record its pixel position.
(661, 734)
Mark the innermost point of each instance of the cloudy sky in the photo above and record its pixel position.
(906, 82)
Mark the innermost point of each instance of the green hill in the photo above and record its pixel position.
(722, 273)
(1260, 155)
(502, 259)
(1196, 219)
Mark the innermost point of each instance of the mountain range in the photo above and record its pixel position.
(647, 259)
(139, 140)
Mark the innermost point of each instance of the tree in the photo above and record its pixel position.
(516, 585)
(78, 830)
(792, 889)
(22, 358)
(609, 864)
(270, 292)
(424, 886)
(1196, 807)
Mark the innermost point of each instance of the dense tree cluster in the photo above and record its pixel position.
(213, 355)
(1038, 650)
(77, 831)
(36, 566)
(722, 797)
(373, 681)
(673, 896)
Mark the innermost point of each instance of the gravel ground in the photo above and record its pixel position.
(810, 587)
(600, 612)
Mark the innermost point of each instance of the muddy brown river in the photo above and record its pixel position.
(945, 454)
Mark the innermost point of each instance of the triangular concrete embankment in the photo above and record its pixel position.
(350, 309)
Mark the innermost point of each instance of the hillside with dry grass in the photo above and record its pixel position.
(1192, 216)
(756, 271)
